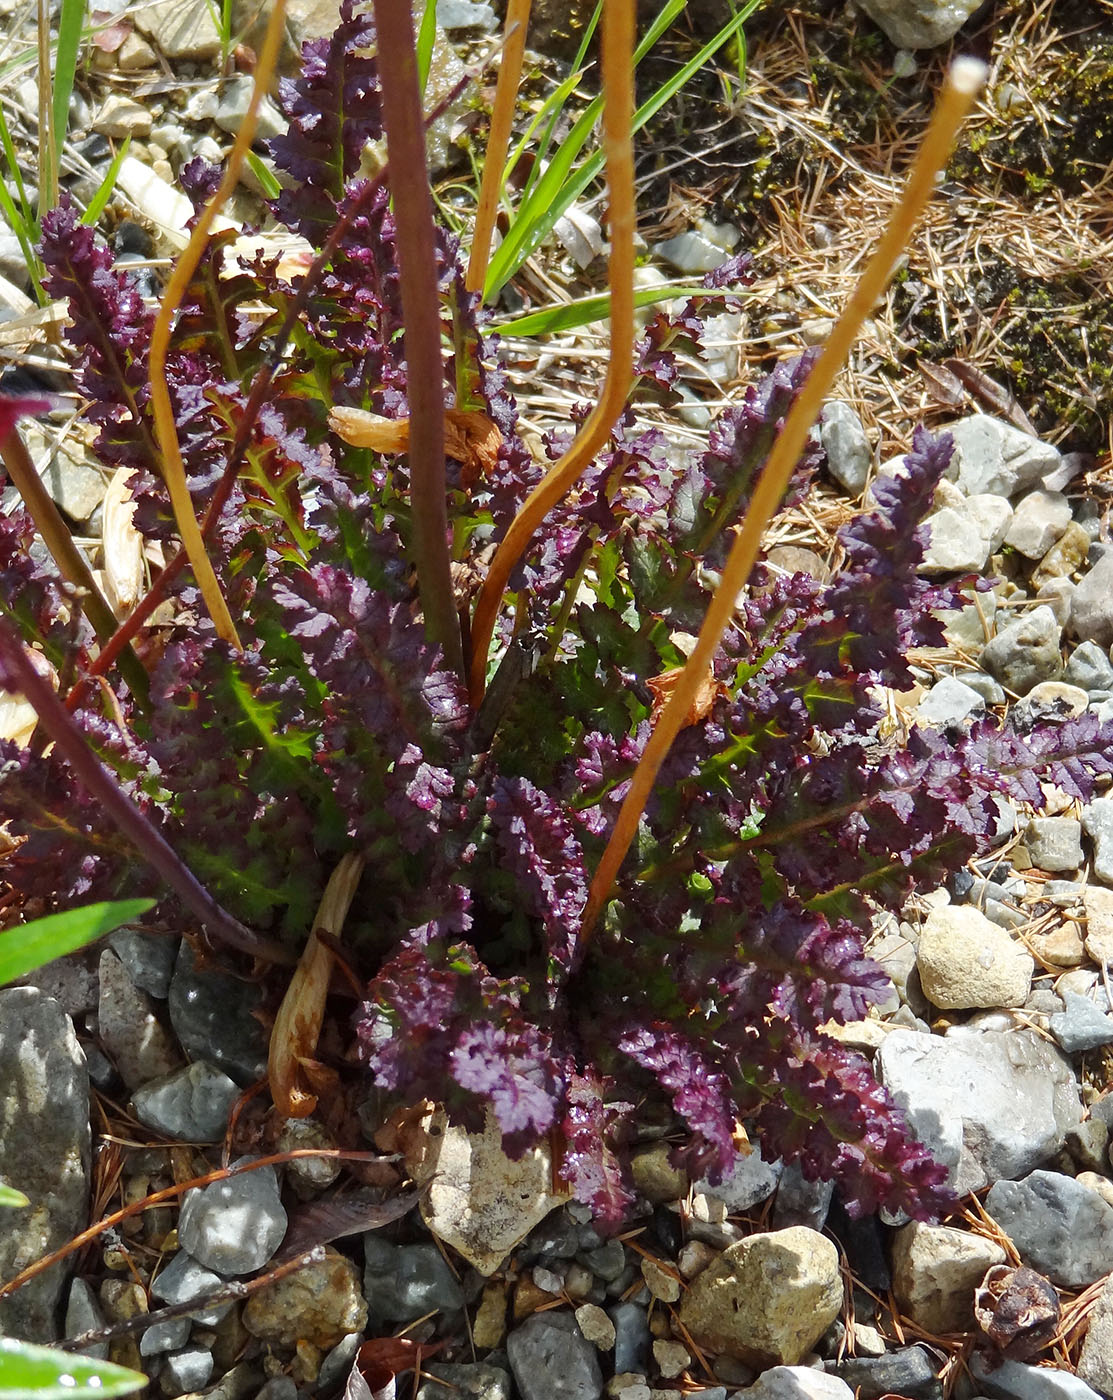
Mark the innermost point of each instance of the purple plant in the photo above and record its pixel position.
(782, 822)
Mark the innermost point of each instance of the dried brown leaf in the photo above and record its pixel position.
(324, 1221)
(291, 1064)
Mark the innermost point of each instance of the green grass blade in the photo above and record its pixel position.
(71, 26)
(31, 945)
(26, 217)
(554, 110)
(107, 185)
(269, 185)
(30, 1372)
(9, 1196)
(559, 186)
(426, 40)
(584, 310)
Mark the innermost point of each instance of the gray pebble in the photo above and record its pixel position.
(211, 1012)
(185, 1371)
(948, 704)
(1091, 612)
(1090, 668)
(234, 1226)
(467, 1382)
(184, 1279)
(165, 1336)
(1060, 1227)
(1054, 843)
(403, 1282)
(1081, 1025)
(632, 1341)
(552, 1360)
(148, 957)
(1025, 652)
(848, 448)
(192, 1104)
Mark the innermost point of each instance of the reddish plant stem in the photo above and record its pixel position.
(417, 275)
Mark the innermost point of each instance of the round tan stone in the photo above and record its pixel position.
(767, 1299)
(966, 961)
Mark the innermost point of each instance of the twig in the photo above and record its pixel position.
(276, 1159)
(227, 1293)
(959, 90)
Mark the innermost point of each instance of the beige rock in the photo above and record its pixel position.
(660, 1281)
(119, 117)
(935, 1272)
(319, 1304)
(596, 1326)
(182, 29)
(671, 1358)
(1099, 923)
(770, 1297)
(655, 1178)
(489, 1327)
(1061, 947)
(474, 1197)
(966, 961)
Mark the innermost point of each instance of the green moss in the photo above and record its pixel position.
(1059, 341)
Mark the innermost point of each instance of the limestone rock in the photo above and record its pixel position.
(966, 961)
(474, 1197)
(44, 1152)
(990, 1105)
(320, 1304)
(919, 24)
(768, 1297)
(935, 1272)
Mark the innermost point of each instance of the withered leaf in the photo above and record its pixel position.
(324, 1221)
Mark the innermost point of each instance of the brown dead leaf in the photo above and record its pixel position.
(324, 1221)
(291, 1065)
(379, 1361)
(663, 686)
(122, 543)
(18, 717)
(469, 436)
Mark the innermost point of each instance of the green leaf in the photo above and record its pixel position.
(31, 945)
(560, 185)
(9, 1196)
(426, 40)
(584, 310)
(46, 1374)
(71, 23)
(108, 184)
(263, 173)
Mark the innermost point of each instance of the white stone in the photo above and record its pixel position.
(1039, 520)
(965, 961)
(797, 1383)
(474, 1197)
(847, 446)
(996, 459)
(992, 515)
(955, 544)
(119, 117)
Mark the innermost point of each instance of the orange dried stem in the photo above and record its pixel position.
(166, 432)
(618, 85)
(961, 86)
(498, 142)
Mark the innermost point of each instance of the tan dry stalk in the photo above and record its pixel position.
(173, 467)
(498, 142)
(618, 86)
(297, 1026)
(961, 86)
(55, 533)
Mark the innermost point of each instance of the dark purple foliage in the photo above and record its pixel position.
(783, 821)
